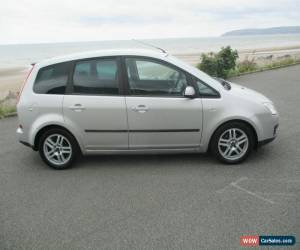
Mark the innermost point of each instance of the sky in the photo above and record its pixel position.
(39, 21)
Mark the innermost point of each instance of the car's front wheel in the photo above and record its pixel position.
(58, 148)
(232, 142)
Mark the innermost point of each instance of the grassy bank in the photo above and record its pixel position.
(226, 63)
(6, 111)
(250, 66)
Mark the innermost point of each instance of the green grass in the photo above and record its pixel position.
(5, 110)
(280, 63)
(248, 66)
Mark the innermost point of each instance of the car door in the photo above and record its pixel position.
(159, 116)
(94, 105)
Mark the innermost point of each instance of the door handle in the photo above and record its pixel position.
(77, 107)
(140, 108)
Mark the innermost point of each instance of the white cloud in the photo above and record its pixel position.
(83, 20)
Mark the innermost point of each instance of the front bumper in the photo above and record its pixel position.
(267, 125)
(266, 141)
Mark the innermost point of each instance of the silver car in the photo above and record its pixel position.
(138, 101)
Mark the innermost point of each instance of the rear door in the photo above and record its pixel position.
(94, 104)
(159, 116)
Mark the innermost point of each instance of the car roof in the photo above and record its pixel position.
(102, 53)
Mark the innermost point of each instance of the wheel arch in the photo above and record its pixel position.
(247, 123)
(52, 126)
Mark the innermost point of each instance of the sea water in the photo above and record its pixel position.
(25, 54)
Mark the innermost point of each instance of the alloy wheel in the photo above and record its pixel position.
(233, 144)
(57, 149)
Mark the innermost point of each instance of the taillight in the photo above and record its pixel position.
(23, 85)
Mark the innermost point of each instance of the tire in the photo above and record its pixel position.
(58, 148)
(232, 142)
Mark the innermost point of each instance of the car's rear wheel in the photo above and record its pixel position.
(58, 148)
(232, 142)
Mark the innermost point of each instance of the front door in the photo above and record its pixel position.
(159, 116)
(94, 106)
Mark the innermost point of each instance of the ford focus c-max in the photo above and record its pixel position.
(134, 101)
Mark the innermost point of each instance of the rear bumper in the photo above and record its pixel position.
(22, 138)
(26, 144)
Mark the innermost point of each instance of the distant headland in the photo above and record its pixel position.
(265, 31)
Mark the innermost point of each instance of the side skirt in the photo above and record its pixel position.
(144, 151)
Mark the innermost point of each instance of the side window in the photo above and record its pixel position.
(205, 90)
(52, 79)
(151, 78)
(97, 76)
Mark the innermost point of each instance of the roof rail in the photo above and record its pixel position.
(150, 45)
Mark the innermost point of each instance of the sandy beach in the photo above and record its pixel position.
(12, 78)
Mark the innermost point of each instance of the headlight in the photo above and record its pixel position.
(270, 107)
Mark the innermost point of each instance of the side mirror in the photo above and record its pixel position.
(189, 92)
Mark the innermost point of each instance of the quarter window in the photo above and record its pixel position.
(52, 79)
(205, 90)
(97, 76)
(152, 78)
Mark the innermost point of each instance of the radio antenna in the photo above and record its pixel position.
(151, 45)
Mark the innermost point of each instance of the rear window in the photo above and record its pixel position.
(52, 79)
